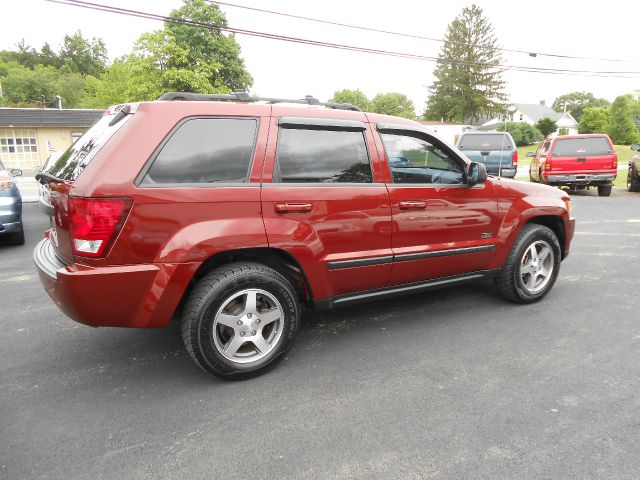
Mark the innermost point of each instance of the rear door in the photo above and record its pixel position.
(575, 155)
(323, 201)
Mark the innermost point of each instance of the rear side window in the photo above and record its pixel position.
(485, 142)
(325, 156)
(205, 150)
(72, 162)
(582, 147)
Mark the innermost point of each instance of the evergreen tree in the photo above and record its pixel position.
(468, 77)
(546, 126)
(621, 128)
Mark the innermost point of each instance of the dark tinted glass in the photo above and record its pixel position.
(485, 142)
(581, 147)
(414, 160)
(206, 150)
(72, 162)
(322, 156)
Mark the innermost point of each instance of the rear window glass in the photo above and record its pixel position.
(325, 156)
(581, 147)
(76, 158)
(485, 142)
(206, 150)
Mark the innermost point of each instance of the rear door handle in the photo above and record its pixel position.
(413, 205)
(582, 159)
(292, 207)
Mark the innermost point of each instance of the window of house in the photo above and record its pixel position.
(18, 141)
(75, 136)
(206, 150)
(412, 159)
(325, 156)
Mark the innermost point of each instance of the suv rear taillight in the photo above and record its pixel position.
(95, 223)
(514, 158)
(5, 181)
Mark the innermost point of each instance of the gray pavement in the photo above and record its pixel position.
(454, 384)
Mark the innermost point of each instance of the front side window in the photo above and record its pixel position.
(205, 150)
(322, 156)
(414, 160)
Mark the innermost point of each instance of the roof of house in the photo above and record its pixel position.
(48, 117)
(536, 112)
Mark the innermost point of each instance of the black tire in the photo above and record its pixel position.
(604, 190)
(509, 282)
(16, 238)
(206, 302)
(633, 185)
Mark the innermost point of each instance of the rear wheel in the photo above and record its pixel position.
(532, 266)
(16, 238)
(240, 320)
(604, 190)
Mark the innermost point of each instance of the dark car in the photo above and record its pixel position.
(233, 213)
(633, 174)
(496, 150)
(11, 228)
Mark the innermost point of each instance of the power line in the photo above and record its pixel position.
(409, 35)
(153, 16)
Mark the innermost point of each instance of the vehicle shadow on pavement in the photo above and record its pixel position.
(140, 358)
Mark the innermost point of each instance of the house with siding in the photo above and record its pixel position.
(29, 135)
(531, 113)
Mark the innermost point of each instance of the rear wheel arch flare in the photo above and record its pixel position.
(280, 260)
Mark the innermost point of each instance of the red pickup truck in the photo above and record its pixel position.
(576, 161)
(232, 212)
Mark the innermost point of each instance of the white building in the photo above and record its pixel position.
(531, 113)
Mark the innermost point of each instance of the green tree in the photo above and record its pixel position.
(594, 120)
(522, 133)
(468, 77)
(576, 102)
(23, 86)
(84, 56)
(354, 97)
(621, 128)
(207, 45)
(546, 126)
(393, 103)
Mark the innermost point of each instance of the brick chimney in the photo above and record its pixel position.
(543, 103)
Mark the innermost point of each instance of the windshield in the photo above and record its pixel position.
(582, 147)
(72, 162)
(485, 142)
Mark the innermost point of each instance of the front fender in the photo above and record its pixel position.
(520, 212)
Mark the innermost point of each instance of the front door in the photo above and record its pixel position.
(442, 227)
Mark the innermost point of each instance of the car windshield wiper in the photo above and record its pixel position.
(45, 178)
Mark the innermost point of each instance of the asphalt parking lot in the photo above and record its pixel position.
(452, 384)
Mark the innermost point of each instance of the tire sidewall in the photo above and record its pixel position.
(215, 299)
(525, 242)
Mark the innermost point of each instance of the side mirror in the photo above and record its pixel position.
(477, 174)
(16, 172)
(530, 154)
(635, 146)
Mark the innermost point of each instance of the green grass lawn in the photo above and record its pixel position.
(624, 155)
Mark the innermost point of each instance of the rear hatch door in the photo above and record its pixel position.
(58, 179)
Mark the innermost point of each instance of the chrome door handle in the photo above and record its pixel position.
(292, 207)
(413, 205)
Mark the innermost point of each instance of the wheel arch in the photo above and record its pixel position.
(556, 225)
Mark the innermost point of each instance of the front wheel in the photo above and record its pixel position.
(240, 320)
(532, 266)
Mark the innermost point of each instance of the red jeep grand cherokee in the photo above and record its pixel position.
(233, 212)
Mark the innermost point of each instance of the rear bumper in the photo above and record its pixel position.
(579, 178)
(141, 296)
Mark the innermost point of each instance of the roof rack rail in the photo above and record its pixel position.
(245, 97)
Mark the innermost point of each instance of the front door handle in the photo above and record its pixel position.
(292, 207)
(413, 205)
(582, 159)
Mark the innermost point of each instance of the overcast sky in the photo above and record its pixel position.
(577, 28)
